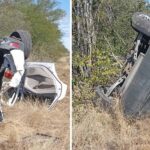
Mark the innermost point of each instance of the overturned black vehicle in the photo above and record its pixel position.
(134, 84)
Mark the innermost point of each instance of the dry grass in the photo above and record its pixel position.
(94, 130)
(30, 126)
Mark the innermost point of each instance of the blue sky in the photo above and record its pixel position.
(64, 23)
(147, 1)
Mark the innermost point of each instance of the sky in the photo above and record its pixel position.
(147, 1)
(64, 23)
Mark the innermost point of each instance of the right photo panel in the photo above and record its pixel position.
(111, 74)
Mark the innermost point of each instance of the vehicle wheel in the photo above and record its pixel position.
(26, 39)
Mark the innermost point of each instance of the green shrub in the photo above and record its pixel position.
(103, 71)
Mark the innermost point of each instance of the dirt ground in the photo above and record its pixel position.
(30, 126)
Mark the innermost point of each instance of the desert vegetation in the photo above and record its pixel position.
(102, 38)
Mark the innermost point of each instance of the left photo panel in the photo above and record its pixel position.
(35, 47)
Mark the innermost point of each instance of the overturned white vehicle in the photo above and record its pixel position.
(19, 78)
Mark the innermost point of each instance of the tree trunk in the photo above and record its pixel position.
(84, 30)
